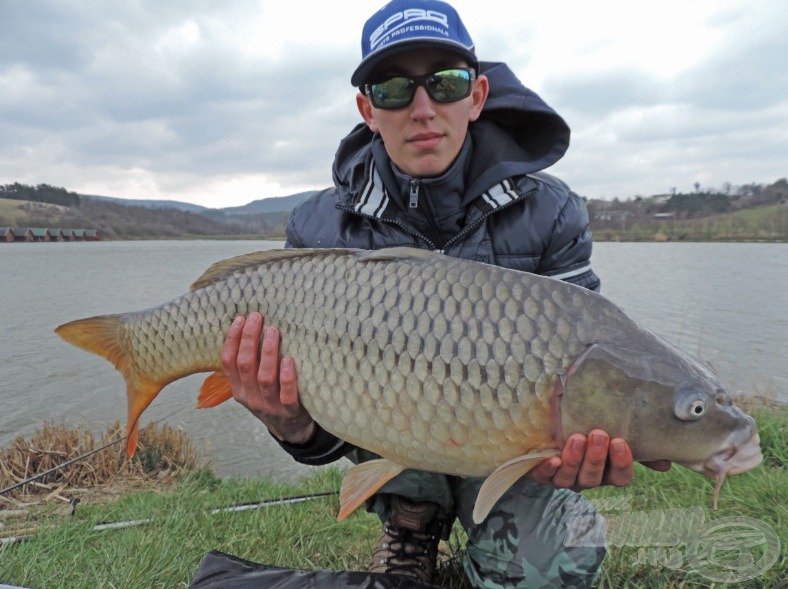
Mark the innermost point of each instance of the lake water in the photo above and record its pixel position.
(724, 303)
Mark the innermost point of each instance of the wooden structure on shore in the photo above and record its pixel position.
(16, 234)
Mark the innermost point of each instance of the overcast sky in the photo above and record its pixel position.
(222, 103)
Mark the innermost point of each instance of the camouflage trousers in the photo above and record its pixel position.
(535, 536)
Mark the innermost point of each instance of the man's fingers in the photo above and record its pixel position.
(571, 459)
(593, 468)
(590, 462)
(230, 348)
(268, 373)
(260, 383)
(619, 471)
(288, 387)
(247, 350)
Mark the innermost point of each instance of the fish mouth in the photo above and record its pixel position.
(734, 459)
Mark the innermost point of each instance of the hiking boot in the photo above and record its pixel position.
(408, 545)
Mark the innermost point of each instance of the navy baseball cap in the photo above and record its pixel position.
(407, 24)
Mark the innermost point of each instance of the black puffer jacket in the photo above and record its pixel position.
(493, 205)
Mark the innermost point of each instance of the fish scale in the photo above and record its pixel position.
(433, 363)
(377, 343)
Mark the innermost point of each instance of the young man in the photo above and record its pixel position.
(449, 158)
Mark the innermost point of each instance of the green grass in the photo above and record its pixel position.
(764, 222)
(767, 224)
(167, 551)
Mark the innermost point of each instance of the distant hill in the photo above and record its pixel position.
(126, 218)
(757, 213)
(149, 203)
(276, 204)
(115, 220)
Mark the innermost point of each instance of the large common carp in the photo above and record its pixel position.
(436, 363)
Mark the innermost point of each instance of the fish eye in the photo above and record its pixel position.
(698, 408)
(688, 406)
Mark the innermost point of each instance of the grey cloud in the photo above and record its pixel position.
(115, 101)
(746, 72)
(750, 74)
(44, 35)
(87, 85)
(592, 96)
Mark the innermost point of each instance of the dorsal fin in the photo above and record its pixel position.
(399, 253)
(220, 270)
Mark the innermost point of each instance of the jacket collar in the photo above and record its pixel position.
(375, 199)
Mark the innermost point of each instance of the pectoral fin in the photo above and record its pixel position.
(362, 481)
(502, 479)
(214, 391)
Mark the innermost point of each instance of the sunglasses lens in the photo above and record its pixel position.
(449, 85)
(444, 86)
(393, 93)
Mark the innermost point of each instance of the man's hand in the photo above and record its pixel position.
(591, 462)
(263, 384)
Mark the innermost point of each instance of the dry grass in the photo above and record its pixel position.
(14, 213)
(163, 453)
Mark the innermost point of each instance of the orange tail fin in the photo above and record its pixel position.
(103, 336)
(214, 391)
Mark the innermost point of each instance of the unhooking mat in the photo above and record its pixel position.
(222, 571)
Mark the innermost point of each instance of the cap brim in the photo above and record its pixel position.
(365, 69)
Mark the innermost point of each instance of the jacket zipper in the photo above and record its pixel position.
(466, 230)
(414, 194)
(417, 203)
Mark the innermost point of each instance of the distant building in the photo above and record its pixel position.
(39, 234)
(22, 234)
(613, 215)
(659, 199)
(9, 234)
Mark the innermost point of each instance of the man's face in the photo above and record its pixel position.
(425, 137)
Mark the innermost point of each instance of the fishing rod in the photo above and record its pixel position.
(60, 466)
(22, 535)
(269, 502)
(77, 459)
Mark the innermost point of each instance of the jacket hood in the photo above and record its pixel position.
(536, 128)
(517, 133)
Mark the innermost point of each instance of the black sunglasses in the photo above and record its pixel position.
(444, 86)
